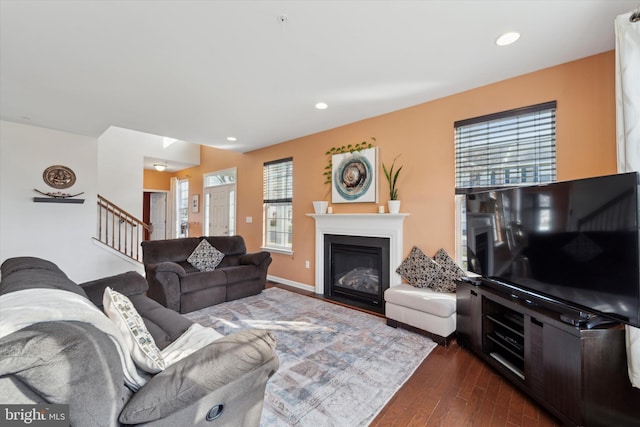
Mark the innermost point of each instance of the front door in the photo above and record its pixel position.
(158, 216)
(218, 202)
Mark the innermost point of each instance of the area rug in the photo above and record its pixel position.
(338, 366)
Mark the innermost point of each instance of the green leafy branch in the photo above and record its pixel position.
(350, 148)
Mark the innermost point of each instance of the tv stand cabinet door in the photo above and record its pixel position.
(534, 356)
(562, 360)
(585, 377)
(468, 316)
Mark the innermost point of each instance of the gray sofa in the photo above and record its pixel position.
(75, 363)
(178, 285)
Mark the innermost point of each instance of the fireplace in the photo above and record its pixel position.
(356, 270)
(384, 226)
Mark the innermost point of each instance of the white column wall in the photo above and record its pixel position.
(121, 154)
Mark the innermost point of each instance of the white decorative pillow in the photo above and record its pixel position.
(205, 257)
(144, 352)
(418, 269)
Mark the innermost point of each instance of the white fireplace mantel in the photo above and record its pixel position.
(368, 225)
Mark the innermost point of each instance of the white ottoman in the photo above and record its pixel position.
(432, 312)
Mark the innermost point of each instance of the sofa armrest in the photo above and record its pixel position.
(129, 283)
(255, 258)
(164, 283)
(169, 267)
(229, 368)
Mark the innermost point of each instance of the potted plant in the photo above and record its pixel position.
(392, 180)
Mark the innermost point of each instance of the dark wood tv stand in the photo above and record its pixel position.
(578, 374)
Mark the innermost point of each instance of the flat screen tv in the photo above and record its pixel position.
(575, 243)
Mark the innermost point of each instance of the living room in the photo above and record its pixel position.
(420, 136)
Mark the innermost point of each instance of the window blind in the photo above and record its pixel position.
(278, 181)
(507, 148)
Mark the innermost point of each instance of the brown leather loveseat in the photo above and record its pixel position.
(175, 283)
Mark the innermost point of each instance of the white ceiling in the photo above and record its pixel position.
(201, 71)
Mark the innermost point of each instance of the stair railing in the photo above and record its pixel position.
(120, 230)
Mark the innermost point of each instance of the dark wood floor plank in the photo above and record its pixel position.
(469, 384)
(516, 409)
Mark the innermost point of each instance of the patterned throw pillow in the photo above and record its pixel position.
(418, 269)
(205, 257)
(452, 271)
(144, 352)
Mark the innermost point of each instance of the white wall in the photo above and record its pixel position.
(62, 233)
(121, 154)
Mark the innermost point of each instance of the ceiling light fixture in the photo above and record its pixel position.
(322, 106)
(232, 138)
(507, 38)
(160, 167)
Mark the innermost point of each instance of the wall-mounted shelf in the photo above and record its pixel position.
(56, 200)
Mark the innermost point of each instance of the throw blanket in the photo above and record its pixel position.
(29, 306)
(193, 339)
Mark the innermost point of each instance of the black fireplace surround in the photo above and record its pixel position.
(356, 270)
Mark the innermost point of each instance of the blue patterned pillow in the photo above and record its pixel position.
(205, 257)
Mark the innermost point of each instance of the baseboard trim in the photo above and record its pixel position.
(291, 283)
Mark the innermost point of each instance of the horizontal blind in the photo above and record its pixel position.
(508, 148)
(278, 181)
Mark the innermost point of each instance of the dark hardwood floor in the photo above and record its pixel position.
(453, 387)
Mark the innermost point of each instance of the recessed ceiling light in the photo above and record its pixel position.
(507, 38)
(322, 106)
(232, 138)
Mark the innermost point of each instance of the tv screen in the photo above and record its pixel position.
(574, 242)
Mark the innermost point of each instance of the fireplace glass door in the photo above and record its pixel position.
(358, 270)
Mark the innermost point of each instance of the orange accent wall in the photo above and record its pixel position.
(423, 136)
(154, 180)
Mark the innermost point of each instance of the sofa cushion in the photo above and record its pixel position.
(240, 273)
(140, 343)
(202, 280)
(164, 325)
(129, 283)
(205, 257)
(418, 269)
(65, 362)
(255, 258)
(30, 273)
(174, 250)
(441, 304)
(229, 245)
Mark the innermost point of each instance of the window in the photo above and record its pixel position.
(278, 207)
(182, 208)
(516, 147)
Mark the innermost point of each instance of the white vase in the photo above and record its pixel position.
(320, 207)
(394, 206)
